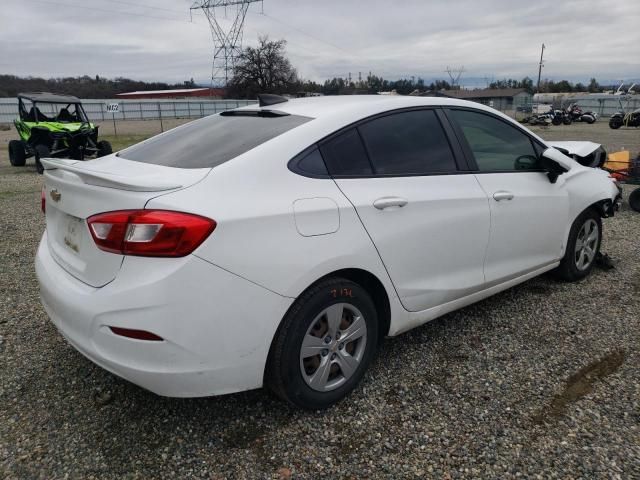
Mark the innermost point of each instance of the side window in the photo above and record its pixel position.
(496, 145)
(345, 155)
(408, 143)
(309, 163)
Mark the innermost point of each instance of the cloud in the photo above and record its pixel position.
(491, 38)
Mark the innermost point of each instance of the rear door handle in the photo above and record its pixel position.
(502, 195)
(390, 202)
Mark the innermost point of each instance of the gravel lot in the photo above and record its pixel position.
(541, 381)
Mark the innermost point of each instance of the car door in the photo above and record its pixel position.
(428, 219)
(529, 214)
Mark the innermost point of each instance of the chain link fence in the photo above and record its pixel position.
(134, 109)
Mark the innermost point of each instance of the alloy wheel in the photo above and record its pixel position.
(586, 244)
(333, 347)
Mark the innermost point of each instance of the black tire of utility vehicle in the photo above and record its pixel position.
(283, 375)
(17, 154)
(556, 121)
(42, 151)
(615, 122)
(634, 200)
(568, 270)
(567, 121)
(104, 148)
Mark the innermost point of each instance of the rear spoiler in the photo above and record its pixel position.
(135, 183)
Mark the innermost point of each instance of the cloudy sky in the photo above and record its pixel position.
(327, 38)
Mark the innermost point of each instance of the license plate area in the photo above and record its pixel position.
(72, 233)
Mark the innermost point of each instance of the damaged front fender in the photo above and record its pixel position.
(589, 154)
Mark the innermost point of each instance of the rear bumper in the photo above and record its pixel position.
(216, 327)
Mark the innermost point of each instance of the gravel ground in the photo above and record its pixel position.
(540, 381)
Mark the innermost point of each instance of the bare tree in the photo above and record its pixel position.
(263, 69)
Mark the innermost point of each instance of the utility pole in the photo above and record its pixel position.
(540, 65)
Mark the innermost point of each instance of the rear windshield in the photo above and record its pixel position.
(211, 141)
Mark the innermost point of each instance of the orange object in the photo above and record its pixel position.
(618, 160)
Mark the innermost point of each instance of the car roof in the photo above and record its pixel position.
(49, 97)
(318, 107)
(345, 109)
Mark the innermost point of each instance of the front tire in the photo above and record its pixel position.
(324, 345)
(615, 123)
(582, 247)
(634, 200)
(17, 154)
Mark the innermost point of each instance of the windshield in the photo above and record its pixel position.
(212, 140)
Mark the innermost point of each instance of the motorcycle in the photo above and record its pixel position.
(576, 114)
(561, 117)
(619, 119)
(542, 118)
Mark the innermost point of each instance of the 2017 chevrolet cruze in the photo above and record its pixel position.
(278, 244)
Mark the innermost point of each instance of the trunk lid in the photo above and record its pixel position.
(76, 190)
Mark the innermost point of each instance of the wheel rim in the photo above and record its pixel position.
(333, 347)
(586, 244)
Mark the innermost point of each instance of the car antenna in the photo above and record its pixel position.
(266, 99)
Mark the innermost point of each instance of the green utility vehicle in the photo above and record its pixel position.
(54, 126)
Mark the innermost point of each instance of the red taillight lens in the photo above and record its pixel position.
(150, 233)
(43, 199)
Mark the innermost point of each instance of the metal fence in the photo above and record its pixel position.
(134, 109)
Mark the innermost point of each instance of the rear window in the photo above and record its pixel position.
(211, 141)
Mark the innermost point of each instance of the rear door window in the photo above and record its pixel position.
(211, 141)
(408, 143)
(345, 155)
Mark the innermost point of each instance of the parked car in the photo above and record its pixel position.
(64, 131)
(279, 244)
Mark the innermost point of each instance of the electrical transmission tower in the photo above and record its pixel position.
(227, 42)
(454, 75)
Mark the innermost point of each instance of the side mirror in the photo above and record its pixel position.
(555, 163)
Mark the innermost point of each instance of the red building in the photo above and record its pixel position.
(176, 93)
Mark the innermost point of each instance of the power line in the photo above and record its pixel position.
(119, 12)
(146, 6)
(305, 33)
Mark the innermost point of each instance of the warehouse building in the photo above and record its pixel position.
(175, 93)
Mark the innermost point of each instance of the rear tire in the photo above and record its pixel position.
(42, 151)
(582, 247)
(104, 148)
(17, 154)
(634, 200)
(337, 319)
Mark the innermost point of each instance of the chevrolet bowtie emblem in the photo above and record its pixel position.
(55, 195)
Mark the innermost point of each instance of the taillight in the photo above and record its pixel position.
(149, 233)
(43, 199)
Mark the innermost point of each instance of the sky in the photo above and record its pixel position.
(493, 39)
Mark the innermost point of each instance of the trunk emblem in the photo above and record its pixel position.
(55, 195)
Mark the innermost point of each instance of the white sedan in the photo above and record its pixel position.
(279, 244)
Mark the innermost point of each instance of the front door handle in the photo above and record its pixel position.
(502, 195)
(390, 202)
